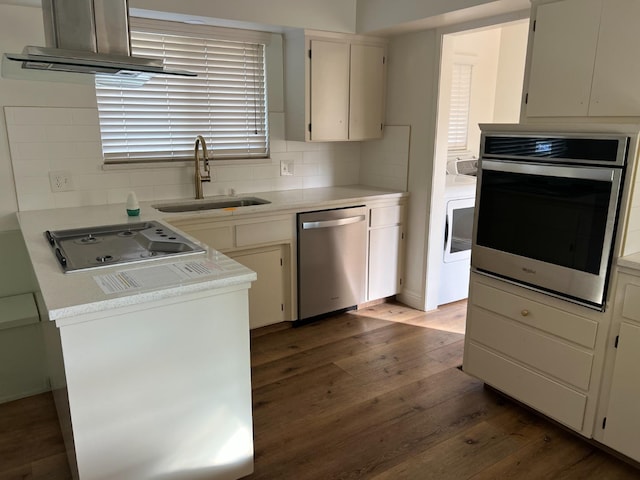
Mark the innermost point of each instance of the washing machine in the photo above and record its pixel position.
(460, 195)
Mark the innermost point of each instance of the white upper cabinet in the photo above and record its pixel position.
(616, 77)
(334, 87)
(562, 58)
(366, 92)
(581, 62)
(329, 90)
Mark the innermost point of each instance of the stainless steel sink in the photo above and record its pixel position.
(210, 204)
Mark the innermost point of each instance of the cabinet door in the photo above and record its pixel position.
(329, 90)
(617, 72)
(366, 92)
(563, 57)
(266, 296)
(622, 430)
(384, 261)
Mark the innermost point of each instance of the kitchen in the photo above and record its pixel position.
(401, 110)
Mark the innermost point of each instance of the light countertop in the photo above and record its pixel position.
(77, 293)
(630, 261)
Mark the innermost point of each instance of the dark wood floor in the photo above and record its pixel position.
(372, 394)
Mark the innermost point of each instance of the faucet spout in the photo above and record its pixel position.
(199, 176)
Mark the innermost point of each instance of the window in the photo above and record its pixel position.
(459, 106)
(225, 103)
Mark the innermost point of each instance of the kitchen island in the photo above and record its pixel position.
(151, 377)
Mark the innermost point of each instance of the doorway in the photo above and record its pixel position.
(481, 79)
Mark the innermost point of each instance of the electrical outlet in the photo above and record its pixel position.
(60, 181)
(286, 167)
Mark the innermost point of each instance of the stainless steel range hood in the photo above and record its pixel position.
(88, 36)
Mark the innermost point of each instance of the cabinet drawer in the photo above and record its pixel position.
(548, 319)
(384, 216)
(263, 232)
(542, 352)
(549, 397)
(220, 238)
(631, 305)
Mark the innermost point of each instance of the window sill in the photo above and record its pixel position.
(183, 164)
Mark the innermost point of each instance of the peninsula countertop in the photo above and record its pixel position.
(72, 294)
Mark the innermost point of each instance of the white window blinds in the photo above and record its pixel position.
(459, 106)
(225, 103)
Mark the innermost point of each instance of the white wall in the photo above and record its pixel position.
(498, 56)
(410, 101)
(331, 15)
(398, 15)
(510, 78)
(481, 49)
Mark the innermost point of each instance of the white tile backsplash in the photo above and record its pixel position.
(80, 198)
(229, 173)
(85, 116)
(30, 168)
(44, 139)
(265, 172)
(384, 163)
(36, 201)
(32, 185)
(31, 117)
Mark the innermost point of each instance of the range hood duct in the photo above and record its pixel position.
(89, 36)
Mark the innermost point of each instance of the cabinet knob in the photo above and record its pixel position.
(524, 313)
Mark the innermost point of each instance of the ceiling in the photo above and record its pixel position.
(381, 17)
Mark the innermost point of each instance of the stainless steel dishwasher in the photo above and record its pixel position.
(331, 260)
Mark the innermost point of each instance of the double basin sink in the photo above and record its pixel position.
(210, 204)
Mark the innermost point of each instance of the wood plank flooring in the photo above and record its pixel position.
(371, 394)
(375, 394)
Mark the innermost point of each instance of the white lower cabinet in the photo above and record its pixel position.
(267, 245)
(620, 428)
(386, 236)
(539, 350)
(267, 294)
(262, 244)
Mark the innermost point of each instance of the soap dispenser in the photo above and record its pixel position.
(133, 208)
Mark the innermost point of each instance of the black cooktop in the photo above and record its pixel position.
(107, 245)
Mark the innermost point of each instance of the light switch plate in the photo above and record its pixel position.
(286, 167)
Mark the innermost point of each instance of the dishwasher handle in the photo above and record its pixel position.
(333, 223)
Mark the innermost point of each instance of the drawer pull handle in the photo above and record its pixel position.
(524, 313)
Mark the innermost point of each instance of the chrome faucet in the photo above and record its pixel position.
(200, 177)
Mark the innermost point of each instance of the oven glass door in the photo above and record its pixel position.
(548, 226)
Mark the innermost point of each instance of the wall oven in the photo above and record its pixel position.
(547, 210)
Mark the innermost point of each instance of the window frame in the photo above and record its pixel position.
(185, 152)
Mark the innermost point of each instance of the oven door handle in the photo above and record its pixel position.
(603, 174)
